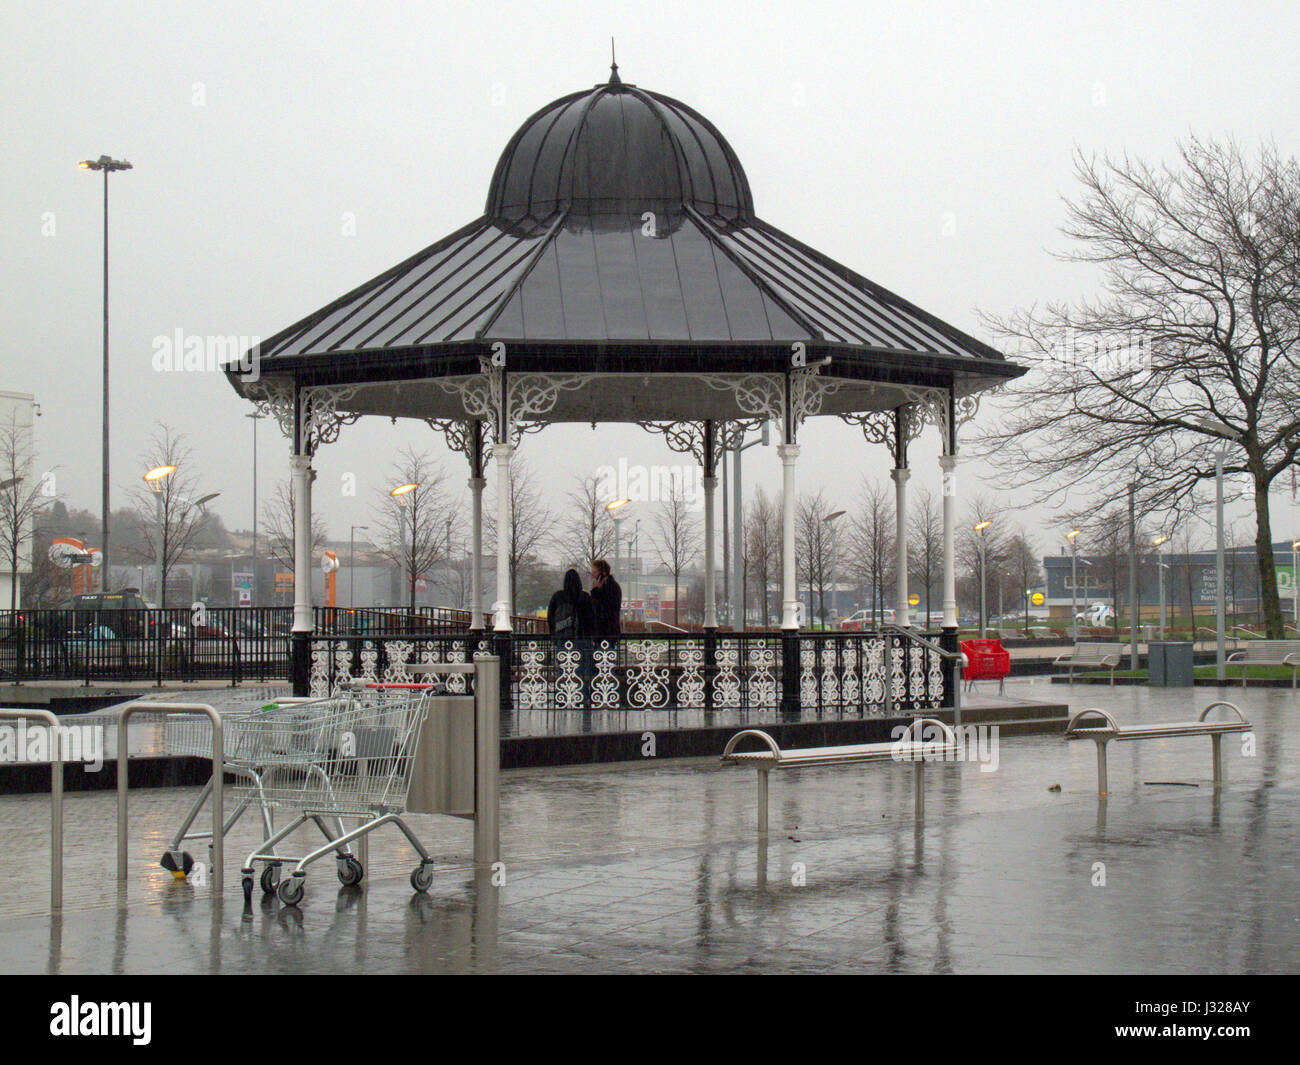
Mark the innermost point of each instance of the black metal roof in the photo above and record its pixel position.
(618, 217)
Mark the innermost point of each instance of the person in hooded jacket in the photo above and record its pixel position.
(571, 616)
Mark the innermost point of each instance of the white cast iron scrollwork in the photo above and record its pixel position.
(763, 395)
(321, 417)
(532, 396)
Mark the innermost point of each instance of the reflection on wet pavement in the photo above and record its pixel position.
(656, 867)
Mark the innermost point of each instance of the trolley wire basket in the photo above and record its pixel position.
(351, 755)
(241, 711)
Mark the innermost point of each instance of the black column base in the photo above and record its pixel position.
(300, 663)
(790, 701)
(949, 642)
(501, 642)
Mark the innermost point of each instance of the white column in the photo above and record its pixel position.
(501, 608)
(948, 464)
(789, 591)
(476, 486)
(900, 476)
(710, 575)
(303, 475)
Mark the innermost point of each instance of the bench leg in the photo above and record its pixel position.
(918, 790)
(762, 801)
(1102, 785)
(1216, 754)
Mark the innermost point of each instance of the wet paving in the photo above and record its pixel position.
(656, 867)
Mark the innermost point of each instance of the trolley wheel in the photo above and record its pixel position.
(290, 891)
(350, 870)
(422, 878)
(270, 879)
(178, 863)
(248, 887)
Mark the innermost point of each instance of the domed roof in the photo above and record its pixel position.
(617, 149)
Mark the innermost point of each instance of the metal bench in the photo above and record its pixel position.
(1109, 730)
(1105, 655)
(1268, 653)
(910, 748)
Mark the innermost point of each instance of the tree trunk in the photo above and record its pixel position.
(1272, 602)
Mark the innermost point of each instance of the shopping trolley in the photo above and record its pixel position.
(348, 756)
(192, 737)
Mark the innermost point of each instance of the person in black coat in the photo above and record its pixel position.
(570, 614)
(607, 599)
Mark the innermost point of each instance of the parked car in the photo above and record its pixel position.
(862, 619)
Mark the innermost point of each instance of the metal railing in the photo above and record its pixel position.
(226, 643)
(857, 673)
(218, 782)
(56, 796)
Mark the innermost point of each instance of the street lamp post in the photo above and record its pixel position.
(352, 564)
(614, 508)
(1221, 651)
(1295, 581)
(202, 504)
(830, 520)
(399, 493)
(979, 529)
(154, 479)
(256, 417)
(1160, 580)
(1074, 582)
(738, 532)
(107, 166)
(1228, 435)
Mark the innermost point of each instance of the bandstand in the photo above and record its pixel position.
(620, 274)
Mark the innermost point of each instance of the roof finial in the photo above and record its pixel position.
(614, 79)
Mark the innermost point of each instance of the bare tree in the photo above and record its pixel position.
(410, 529)
(925, 552)
(676, 540)
(21, 496)
(277, 527)
(1024, 566)
(871, 542)
(763, 548)
(169, 508)
(1190, 350)
(994, 536)
(814, 550)
(587, 533)
(531, 523)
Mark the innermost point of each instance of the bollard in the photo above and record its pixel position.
(56, 797)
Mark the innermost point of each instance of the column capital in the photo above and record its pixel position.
(900, 474)
(948, 462)
(709, 482)
(788, 452)
(300, 462)
(477, 484)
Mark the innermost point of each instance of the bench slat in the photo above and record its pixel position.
(868, 752)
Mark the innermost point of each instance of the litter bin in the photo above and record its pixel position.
(1170, 664)
(443, 781)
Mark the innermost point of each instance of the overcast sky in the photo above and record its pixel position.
(926, 146)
